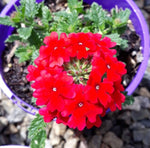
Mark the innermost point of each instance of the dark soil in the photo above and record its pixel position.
(15, 73)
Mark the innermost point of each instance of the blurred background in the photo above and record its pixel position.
(129, 128)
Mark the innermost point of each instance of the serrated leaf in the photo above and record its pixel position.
(22, 3)
(120, 17)
(85, 30)
(36, 39)
(17, 15)
(24, 33)
(123, 15)
(46, 15)
(66, 22)
(37, 132)
(35, 55)
(36, 126)
(13, 38)
(115, 38)
(21, 9)
(75, 5)
(6, 21)
(30, 8)
(120, 42)
(39, 140)
(124, 44)
(129, 99)
(24, 53)
(98, 16)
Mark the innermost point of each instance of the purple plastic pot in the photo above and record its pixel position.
(138, 22)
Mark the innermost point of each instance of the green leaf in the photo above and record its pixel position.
(30, 8)
(85, 29)
(75, 5)
(21, 9)
(124, 44)
(129, 99)
(66, 22)
(36, 39)
(6, 21)
(24, 53)
(24, 33)
(46, 15)
(39, 140)
(37, 132)
(36, 125)
(115, 38)
(35, 55)
(122, 15)
(33, 100)
(97, 15)
(12, 38)
(17, 15)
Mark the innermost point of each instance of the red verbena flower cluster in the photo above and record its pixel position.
(77, 78)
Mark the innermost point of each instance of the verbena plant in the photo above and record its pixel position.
(76, 75)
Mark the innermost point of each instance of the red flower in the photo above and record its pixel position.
(106, 42)
(97, 123)
(99, 90)
(47, 115)
(54, 53)
(34, 72)
(111, 66)
(80, 45)
(118, 97)
(79, 109)
(99, 65)
(103, 45)
(61, 119)
(52, 90)
(118, 85)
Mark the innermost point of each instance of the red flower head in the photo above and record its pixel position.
(77, 78)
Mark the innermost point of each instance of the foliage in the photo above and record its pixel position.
(31, 21)
(35, 21)
(129, 99)
(37, 133)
